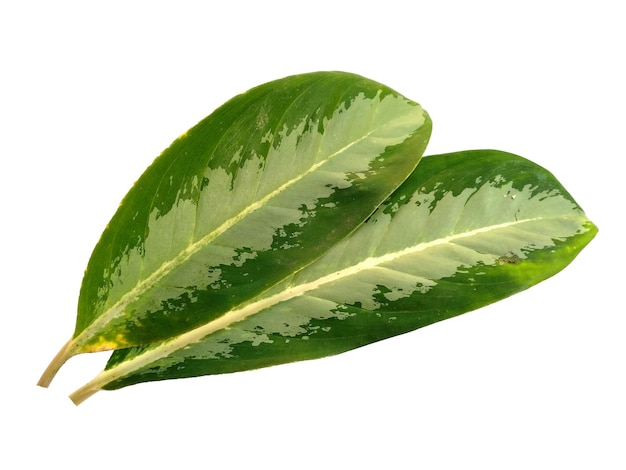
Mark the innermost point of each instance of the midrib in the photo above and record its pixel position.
(193, 336)
(142, 287)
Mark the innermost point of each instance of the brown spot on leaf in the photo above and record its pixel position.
(509, 258)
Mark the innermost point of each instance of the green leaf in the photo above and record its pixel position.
(464, 230)
(249, 196)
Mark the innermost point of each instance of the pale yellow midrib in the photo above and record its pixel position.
(140, 288)
(237, 315)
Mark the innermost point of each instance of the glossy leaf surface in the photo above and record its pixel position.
(463, 231)
(250, 195)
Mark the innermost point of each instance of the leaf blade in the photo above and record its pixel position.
(307, 154)
(465, 230)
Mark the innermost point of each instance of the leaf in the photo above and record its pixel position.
(247, 197)
(464, 230)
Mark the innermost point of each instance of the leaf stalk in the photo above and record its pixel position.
(62, 356)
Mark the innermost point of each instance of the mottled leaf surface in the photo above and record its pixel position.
(250, 195)
(464, 230)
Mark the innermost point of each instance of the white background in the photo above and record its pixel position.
(92, 93)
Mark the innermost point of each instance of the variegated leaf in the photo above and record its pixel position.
(465, 230)
(249, 196)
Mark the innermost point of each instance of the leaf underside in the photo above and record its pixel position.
(464, 230)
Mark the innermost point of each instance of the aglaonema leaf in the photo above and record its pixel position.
(464, 230)
(249, 196)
